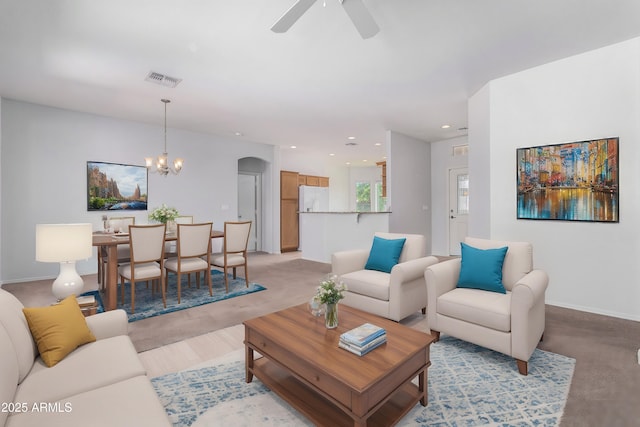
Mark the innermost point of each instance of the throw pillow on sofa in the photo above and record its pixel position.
(482, 268)
(58, 329)
(384, 254)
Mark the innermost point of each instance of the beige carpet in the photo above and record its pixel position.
(606, 382)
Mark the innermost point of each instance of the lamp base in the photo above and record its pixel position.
(68, 281)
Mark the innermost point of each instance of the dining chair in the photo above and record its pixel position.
(171, 248)
(194, 252)
(119, 224)
(234, 250)
(194, 248)
(146, 243)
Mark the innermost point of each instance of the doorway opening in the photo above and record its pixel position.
(250, 201)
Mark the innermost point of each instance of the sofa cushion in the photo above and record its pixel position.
(131, 402)
(8, 372)
(384, 254)
(488, 309)
(372, 283)
(58, 329)
(82, 370)
(482, 268)
(17, 328)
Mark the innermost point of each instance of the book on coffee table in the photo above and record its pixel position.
(363, 334)
(362, 350)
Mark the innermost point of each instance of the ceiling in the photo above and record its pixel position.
(311, 87)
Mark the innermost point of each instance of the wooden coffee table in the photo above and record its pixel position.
(303, 364)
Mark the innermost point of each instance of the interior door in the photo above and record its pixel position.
(458, 208)
(249, 206)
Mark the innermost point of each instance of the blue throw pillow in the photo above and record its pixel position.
(482, 268)
(384, 254)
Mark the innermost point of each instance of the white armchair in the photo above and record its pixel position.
(511, 323)
(393, 295)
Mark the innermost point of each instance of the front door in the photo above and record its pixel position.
(458, 208)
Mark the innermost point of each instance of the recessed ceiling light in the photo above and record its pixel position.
(293, 146)
(348, 163)
(351, 137)
(378, 144)
(445, 126)
(365, 160)
(238, 133)
(332, 154)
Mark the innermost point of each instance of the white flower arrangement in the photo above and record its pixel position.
(330, 292)
(164, 214)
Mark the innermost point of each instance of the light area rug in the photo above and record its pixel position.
(149, 303)
(467, 386)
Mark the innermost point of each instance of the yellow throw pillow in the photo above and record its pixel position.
(58, 329)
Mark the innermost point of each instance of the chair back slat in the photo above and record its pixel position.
(121, 223)
(146, 242)
(236, 236)
(194, 240)
(184, 219)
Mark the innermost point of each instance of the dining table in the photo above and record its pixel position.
(109, 242)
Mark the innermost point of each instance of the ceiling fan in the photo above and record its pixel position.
(356, 10)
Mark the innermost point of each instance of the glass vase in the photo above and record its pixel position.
(331, 316)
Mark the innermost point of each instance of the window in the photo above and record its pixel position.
(463, 194)
(380, 201)
(363, 196)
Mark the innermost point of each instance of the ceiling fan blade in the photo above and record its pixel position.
(291, 16)
(361, 18)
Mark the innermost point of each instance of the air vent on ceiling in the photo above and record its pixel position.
(460, 150)
(163, 80)
(350, 144)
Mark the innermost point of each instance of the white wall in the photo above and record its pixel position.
(480, 163)
(592, 266)
(442, 161)
(43, 176)
(409, 185)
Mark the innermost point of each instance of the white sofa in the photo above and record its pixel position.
(394, 295)
(102, 383)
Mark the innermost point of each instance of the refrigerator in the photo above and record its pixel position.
(314, 199)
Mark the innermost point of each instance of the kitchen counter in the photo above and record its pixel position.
(323, 233)
(343, 212)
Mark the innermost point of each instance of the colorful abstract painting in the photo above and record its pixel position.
(577, 181)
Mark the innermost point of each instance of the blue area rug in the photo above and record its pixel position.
(467, 386)
(148, 305)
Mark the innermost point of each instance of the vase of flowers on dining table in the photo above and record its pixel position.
(165, 215)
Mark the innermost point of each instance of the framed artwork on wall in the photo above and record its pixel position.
(114, 186)
(575, 181)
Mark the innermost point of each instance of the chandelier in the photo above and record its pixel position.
(162, 161)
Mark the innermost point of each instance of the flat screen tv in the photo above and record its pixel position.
(575, 181)
(115, 187)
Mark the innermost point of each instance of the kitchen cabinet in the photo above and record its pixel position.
(289, 226)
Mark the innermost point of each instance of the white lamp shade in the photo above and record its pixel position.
(63, 242)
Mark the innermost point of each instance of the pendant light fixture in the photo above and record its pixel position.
(162, 161)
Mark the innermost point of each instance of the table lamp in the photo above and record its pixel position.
(64, 243)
